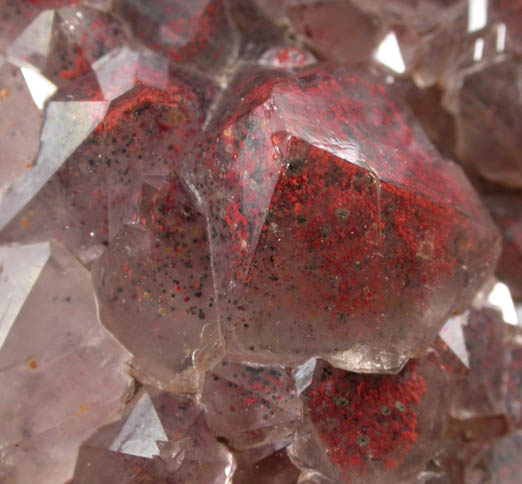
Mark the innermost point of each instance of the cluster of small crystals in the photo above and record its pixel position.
(271, 241)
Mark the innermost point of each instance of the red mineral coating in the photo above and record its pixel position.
(333, 221)
(374, 425)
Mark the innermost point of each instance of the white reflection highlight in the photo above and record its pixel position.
(477, 14)
(478, 49)
(40, 88)
(389, 54)
(500, 297)
(453, 335)
(141, 431)
(501, 37)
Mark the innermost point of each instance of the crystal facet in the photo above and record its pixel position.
(54, 351)
(348, 238)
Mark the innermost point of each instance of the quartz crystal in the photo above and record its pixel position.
(161, 438)
(83, 182)
(370, 429)
(491, 100)
(274, 468)
(154, 281)
(20, 134)
(54, 352)
(506, 210)
(349, 239)
(63, 44)
(254, 241)
(250, 405)
(197, 31)
(324, 26)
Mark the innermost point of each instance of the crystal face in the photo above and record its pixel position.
(370, 428)
(188, 32)
(496, 89)
(83, 181)
(154, 280)
(52, 340)
(162, 438)
(352, 248)
(254, 241)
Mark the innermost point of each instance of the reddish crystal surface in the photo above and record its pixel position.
(230, 252)
(370, 428)
(346, 238)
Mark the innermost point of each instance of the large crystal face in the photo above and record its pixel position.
(154, 281)
(55, 353)
(336, 230)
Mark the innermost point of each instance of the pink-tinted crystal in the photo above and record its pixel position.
(336, 230)
(369, 428)
(154, 281)
(274, 468)
(478, 382)
(62, 373)
(63, 44)
(250, 405)
(95, 144)
(337, 30)
(196, 32)
(20, 125)
(490, 101)
(506, 210)
(162, 438)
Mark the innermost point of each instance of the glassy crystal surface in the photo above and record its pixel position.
(233, 248)
(97, 139)
(348, 238)
(370, 428)
(337, 30)
(62, 44)
(21, 120)
(162, 438)
(154, 281)
(479, 384)
(63, 375)
(490, 101)
(286, 58)
(196, 32)
(250, 405)
(506, 210)
(274, 468)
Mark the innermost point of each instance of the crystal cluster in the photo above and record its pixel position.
(272, 241)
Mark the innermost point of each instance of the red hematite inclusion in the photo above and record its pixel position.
(336, 229)
(373, 424)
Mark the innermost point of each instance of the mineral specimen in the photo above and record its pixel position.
(348, 238)
(370, 428)
(80, 189)
(234, 246)
(490, 101)
(55, 353)
(162, 438)
(506, 210)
